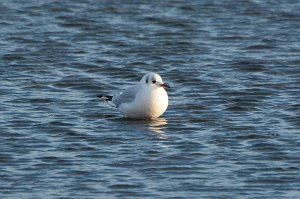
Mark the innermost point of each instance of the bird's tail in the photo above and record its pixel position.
(105, 97)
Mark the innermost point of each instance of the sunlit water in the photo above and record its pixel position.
(232, 126)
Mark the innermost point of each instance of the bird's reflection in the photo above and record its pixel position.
(157, 126)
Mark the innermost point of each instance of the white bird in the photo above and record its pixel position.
(146, 100)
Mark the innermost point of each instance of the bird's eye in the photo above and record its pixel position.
(153, 81)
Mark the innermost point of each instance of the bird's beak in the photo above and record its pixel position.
(164, 85)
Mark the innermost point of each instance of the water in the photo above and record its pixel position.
(232, 127)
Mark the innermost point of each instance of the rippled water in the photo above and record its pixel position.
(232, 127)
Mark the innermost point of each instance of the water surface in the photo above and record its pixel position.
(232, 126)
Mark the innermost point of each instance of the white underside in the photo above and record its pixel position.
(148, 104)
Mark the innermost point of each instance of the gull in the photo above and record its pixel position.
(146, 100)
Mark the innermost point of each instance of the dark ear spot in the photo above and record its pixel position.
(147, 79)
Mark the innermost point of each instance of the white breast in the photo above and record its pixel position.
(147, 104)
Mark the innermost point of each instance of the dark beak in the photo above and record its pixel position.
(164, 85)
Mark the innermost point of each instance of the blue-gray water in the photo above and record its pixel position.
(232, 127)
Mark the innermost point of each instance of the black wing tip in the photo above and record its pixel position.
(105, 97)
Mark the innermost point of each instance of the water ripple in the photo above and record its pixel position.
(231, 129)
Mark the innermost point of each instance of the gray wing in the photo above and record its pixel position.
(127, 96)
